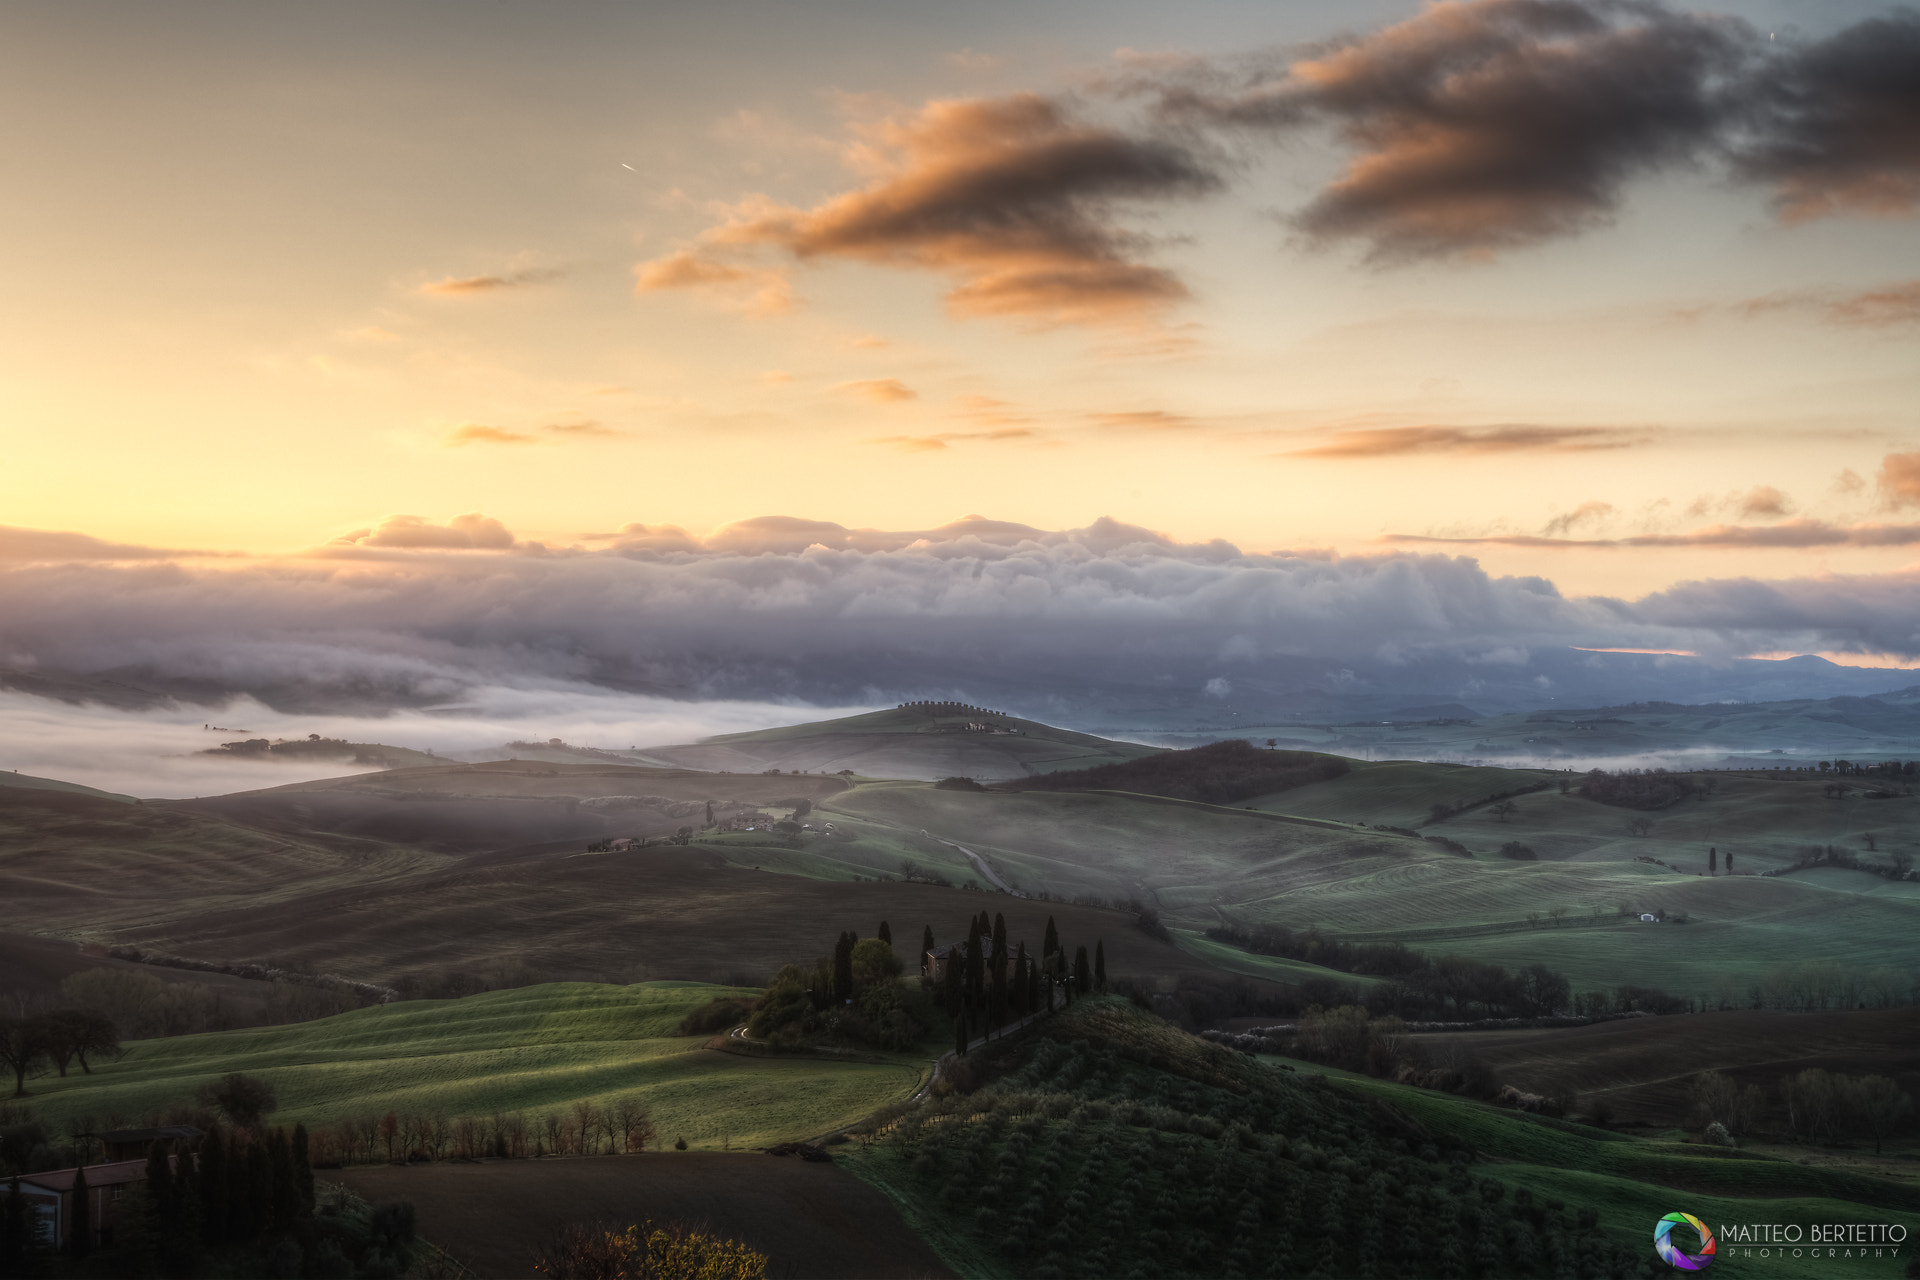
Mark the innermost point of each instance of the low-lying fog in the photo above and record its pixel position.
(158, 754)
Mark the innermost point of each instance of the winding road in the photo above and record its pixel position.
(980, 864)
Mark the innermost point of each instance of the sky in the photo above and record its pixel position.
(1613, 304)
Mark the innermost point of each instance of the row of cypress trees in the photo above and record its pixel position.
(990, 988)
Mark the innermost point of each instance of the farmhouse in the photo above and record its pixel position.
(50, 1199)
(622, 844)
(933, 964)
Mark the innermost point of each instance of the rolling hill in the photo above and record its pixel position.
(924, 741)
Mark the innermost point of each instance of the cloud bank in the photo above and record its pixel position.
(413, 613)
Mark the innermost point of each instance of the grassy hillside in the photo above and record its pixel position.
(89, 866)
(905, 742)
(1108, 1142)
(477, 807)
(14, 778)
(531, 1049)
(1800, 731)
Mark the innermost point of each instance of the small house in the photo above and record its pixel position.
(1647, 917)
(933, 965)
(624, 844)
(50, 1199)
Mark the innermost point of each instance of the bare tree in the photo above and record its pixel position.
(634, 1122)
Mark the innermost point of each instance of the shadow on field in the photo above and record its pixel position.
(811, 1220)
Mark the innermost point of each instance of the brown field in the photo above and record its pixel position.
(809, 1219)
(1644, 1066)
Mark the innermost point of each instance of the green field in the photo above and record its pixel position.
(529, 1049)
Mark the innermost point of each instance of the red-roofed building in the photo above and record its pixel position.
(49, 1198)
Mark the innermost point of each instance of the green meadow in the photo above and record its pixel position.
(530, 1049)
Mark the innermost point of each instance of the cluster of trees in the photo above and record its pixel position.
(1817, 1105)
(1441, 811)
(1898, 866)
(586, 1128)
(1818, 984)
(647, 1251)
(1105, 1146)
(1421, 987)
(1218, 773)
(31, 1044)
(984, 987)
(1637, 788)
(853, 996)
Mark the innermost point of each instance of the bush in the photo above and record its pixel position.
(715, 1015)
(1518, 852)
(958, 784)
(648, 1251)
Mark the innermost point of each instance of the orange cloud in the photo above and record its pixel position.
(1791, 534)
(580, 430)
(1144, 420)
(758, 290)
(1895, 304)
(911, 444)
(880, 390)
(470, 532)
(1579, 515)
(475, 434)
(1388, 442)
(458, 286)
(1009, 196)
(1899, 480)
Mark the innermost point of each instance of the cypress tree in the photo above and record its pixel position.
(1017, 992)
(82, 1214)
(284, 1207)
(240, 1222)
(16, 1233)
(1052, 943)
(886, 934)
(160, 1205)
(303, 1170)
(181, 1243)
(950, 993)
(843, 968)
(960, 1034)
(926, 939)
(1713, 861)
(215, 1229)
(1100, 964)
(259, 1184)
(976, 972)
(1082, 972)
(997, 996)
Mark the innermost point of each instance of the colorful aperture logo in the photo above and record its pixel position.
(1672, 1254)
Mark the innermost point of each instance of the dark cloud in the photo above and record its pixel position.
(1013, 197)
(1877, 613)
(1392, 442)
(1492, 124)
(1835, 125)
(1764, 501)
